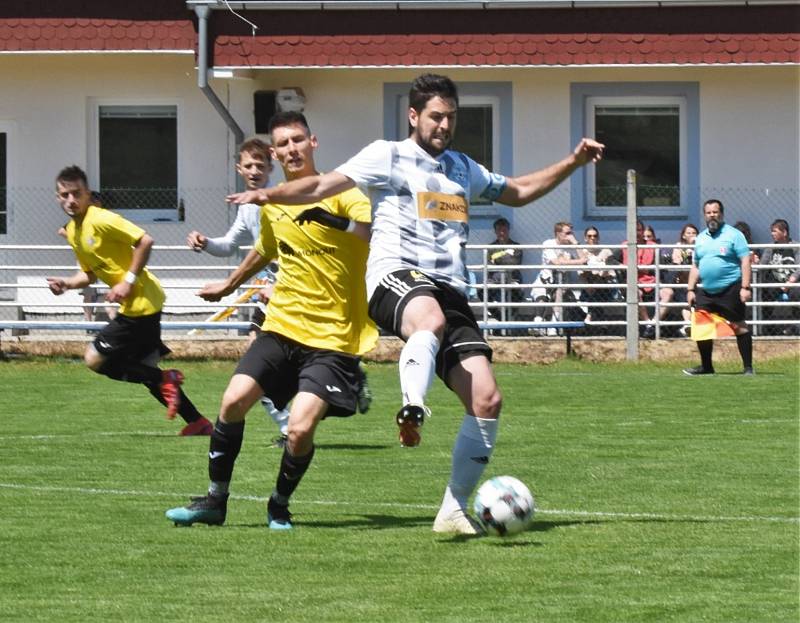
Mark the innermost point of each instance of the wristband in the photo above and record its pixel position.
(130, 277)
(351, 225)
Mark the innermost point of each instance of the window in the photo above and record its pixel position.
(3, 184)
(483, 130)
(646, 130)
(137, 160)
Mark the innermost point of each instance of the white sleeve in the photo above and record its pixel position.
(370, 167)
(241, 232)
(483, 184)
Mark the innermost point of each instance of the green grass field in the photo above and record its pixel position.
(660, 498)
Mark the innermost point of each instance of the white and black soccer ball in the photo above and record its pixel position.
(504, 506)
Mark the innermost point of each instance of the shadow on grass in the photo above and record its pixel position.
(372, 522)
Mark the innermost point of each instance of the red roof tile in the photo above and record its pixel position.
(421, 50)
(561, 37)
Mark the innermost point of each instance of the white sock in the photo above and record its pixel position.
(280, 416)
(417, 366)
(471, 453)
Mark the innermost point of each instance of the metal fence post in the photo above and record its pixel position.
(631, 274)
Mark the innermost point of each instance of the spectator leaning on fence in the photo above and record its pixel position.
(678, 256)
(116, 251)
(597, 273)
(504, 256)
(781, 263)
(722, 264)
(552, 255)
(645, 277)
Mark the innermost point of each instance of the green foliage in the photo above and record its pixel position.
(661, 498)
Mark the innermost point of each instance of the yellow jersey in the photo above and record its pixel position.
(320, 298)
(103, 243)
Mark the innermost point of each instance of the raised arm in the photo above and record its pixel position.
(521, 190)
(297, 192)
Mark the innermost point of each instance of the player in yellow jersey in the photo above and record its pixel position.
(316, 328)
(116, 251)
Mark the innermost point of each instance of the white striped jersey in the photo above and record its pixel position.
(420, 208)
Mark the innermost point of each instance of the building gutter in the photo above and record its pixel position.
(371, 5)
(203, 11)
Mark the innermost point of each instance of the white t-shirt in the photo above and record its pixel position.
(420, 208)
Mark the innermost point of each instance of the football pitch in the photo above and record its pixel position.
(659, 497)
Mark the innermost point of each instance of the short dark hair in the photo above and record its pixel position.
(287, 117)
(718, 202)
(254, 145)
(428, 86)
(72, 173)
(781, 224)
(501, 221)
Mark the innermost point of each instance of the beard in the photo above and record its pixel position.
(713, 225)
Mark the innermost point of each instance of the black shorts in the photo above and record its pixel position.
(257, 320)
(726, 303)
(131, 337)
(462, 337)
(283, 367)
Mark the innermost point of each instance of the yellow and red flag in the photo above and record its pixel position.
(708, 325)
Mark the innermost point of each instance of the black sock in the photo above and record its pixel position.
(187, 410)
(745, 344)
(226, 441)
(706, 347)
(291, 473)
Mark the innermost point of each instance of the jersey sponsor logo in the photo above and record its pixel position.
(285, 249)
(442, 207)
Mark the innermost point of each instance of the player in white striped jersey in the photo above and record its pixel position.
(420, 193)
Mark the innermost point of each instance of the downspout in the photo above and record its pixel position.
(203, 11)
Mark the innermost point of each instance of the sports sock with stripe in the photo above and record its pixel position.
(417, 366)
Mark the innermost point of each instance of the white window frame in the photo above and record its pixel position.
(640, 102)
(93, 172)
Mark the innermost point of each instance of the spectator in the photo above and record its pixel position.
(793, 295)
(644, 276)
(554, 256)
(679, 256)
(748, 235)
(504, 256)
(597, 258)
(650, 235)
(781, 262)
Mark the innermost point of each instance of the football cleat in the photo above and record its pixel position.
(171, 381)
(748, 371)
(410, 419)
(197, 428)
(456, 522)
(208, 509)
(697, 371)
(364, 396)
(278, 516)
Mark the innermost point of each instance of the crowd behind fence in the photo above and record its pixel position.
(528, 308)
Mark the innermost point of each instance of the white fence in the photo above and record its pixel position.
(502, 306)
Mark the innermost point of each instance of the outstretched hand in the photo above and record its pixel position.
(588, 150)
(248, 196)
(213, 292)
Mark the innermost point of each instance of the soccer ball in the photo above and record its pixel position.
(503, 506)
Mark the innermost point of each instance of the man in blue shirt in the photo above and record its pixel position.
(722, 264)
